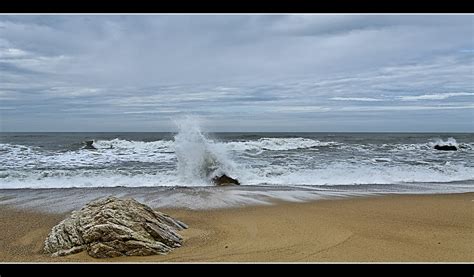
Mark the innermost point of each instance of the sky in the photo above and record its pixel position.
(275, 72)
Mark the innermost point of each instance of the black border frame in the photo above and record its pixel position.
(236, 6)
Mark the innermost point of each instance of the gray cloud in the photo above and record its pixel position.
(258, 72)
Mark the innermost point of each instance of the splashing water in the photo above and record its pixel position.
(449, 142)
(199, 158)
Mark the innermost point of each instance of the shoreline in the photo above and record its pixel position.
(383, 228)
(60, 200)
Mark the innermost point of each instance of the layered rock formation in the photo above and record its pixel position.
(111, 227)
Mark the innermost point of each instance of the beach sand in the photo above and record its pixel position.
(396, 228)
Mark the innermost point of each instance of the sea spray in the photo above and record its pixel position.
(449, 142)
(199, 158)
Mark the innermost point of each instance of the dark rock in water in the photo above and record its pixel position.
(446, 147)
(225, 180)
(89, 144)
(111, 227)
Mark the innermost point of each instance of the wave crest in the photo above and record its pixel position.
(159, 145)
(449, 142)
(277, 144)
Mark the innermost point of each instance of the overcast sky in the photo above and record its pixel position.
(237, 72)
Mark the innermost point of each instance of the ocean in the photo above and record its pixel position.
(291, 166)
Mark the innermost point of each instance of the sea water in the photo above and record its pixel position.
(285, 164)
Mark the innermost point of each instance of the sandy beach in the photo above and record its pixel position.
(401, 228)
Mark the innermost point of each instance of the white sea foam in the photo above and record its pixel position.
(85, 178)
(384, 160)
(277, 144)
(331, 175)
(349, 174)
(448, 142)
(22, 157)
(407, 147)
(137, 146)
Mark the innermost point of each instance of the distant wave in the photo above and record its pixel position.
(24, 157)
(140, 146)
(272, 144)
(163, 151)
(277, 144)
(192, 157)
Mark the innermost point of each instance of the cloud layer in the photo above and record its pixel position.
(238, 72)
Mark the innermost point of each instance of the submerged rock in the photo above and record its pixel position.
(89, 144)
(111, 227)
(225, 180)
(446, 147)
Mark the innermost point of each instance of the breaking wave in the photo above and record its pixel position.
(192, 158)
(136, 146)
(23, 157)
(448, 142)
(349, 174)
(277, 144)
(199, 158)
(331, 175)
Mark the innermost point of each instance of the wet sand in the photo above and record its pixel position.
(395, 228)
